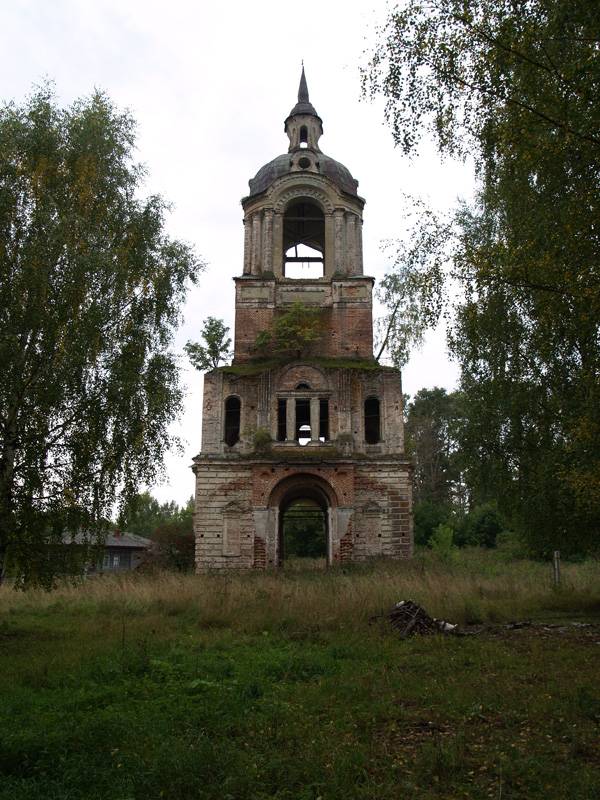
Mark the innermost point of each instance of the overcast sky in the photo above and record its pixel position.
(210, 85)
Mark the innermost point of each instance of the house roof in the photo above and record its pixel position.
(127, 540)
(124, 539)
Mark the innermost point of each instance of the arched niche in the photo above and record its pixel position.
(296, 374)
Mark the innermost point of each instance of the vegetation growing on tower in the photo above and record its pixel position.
(295, 331)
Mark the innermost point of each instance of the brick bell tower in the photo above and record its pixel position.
(310, 427)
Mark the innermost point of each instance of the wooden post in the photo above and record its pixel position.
(556, 566)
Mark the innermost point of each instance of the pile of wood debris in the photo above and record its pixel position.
(409, 618)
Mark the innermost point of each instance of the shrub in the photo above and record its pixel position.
(480, 527)
(510, 546)
(175, 545)
(293, 332)
(262, 440)
(442, 542)
(428, 516)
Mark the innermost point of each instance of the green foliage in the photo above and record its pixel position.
(262, 440)
(480, 527)
(215, 348)
(442, 542)
(464, 70)
(511, 546)
(428, 516)
(432, 422)
(304, 536)
(171, 527)
(260, 365)
(90, 295)
(142, 514)
(293, 332)
(512, 86)
(414, 292)
(176, 543)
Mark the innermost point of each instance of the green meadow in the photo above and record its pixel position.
(280, 685)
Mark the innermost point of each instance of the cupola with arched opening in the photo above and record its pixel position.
(303, 244)
(304, 200)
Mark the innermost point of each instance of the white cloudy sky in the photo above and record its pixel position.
(210, 84)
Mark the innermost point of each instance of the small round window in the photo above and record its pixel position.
(304, 163)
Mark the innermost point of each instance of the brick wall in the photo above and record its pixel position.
(237, 509)
(383, 520)
(223, 522)
(347, 314)
(346, 390)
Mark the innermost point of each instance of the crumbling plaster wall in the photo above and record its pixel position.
(345, 389)
(237, 526)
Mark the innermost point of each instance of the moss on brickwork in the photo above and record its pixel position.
(249, 368)
(294, 454)
(257, 366)
(312, 454)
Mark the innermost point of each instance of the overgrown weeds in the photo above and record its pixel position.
(474, 587)
(275, 686)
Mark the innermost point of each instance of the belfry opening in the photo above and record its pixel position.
(303, 241)
(302, 434)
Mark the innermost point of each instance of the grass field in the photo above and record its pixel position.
(277, 686)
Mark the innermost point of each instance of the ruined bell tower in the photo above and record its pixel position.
(314, 422)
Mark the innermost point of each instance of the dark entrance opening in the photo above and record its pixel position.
(304, 503)
(303, 531)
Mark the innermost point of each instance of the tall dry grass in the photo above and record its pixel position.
(477, 588)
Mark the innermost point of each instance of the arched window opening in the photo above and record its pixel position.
(304, 136)
(232, 420)
(303, 241)
(303, 387)
(372, 420)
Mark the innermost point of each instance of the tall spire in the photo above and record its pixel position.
(303, 88)
(303, 106)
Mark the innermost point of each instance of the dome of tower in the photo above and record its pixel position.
(282, 165)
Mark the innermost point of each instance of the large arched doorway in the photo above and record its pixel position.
(304, 503)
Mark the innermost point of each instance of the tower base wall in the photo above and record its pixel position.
(238, 509)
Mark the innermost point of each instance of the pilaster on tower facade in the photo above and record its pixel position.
(313, 423)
